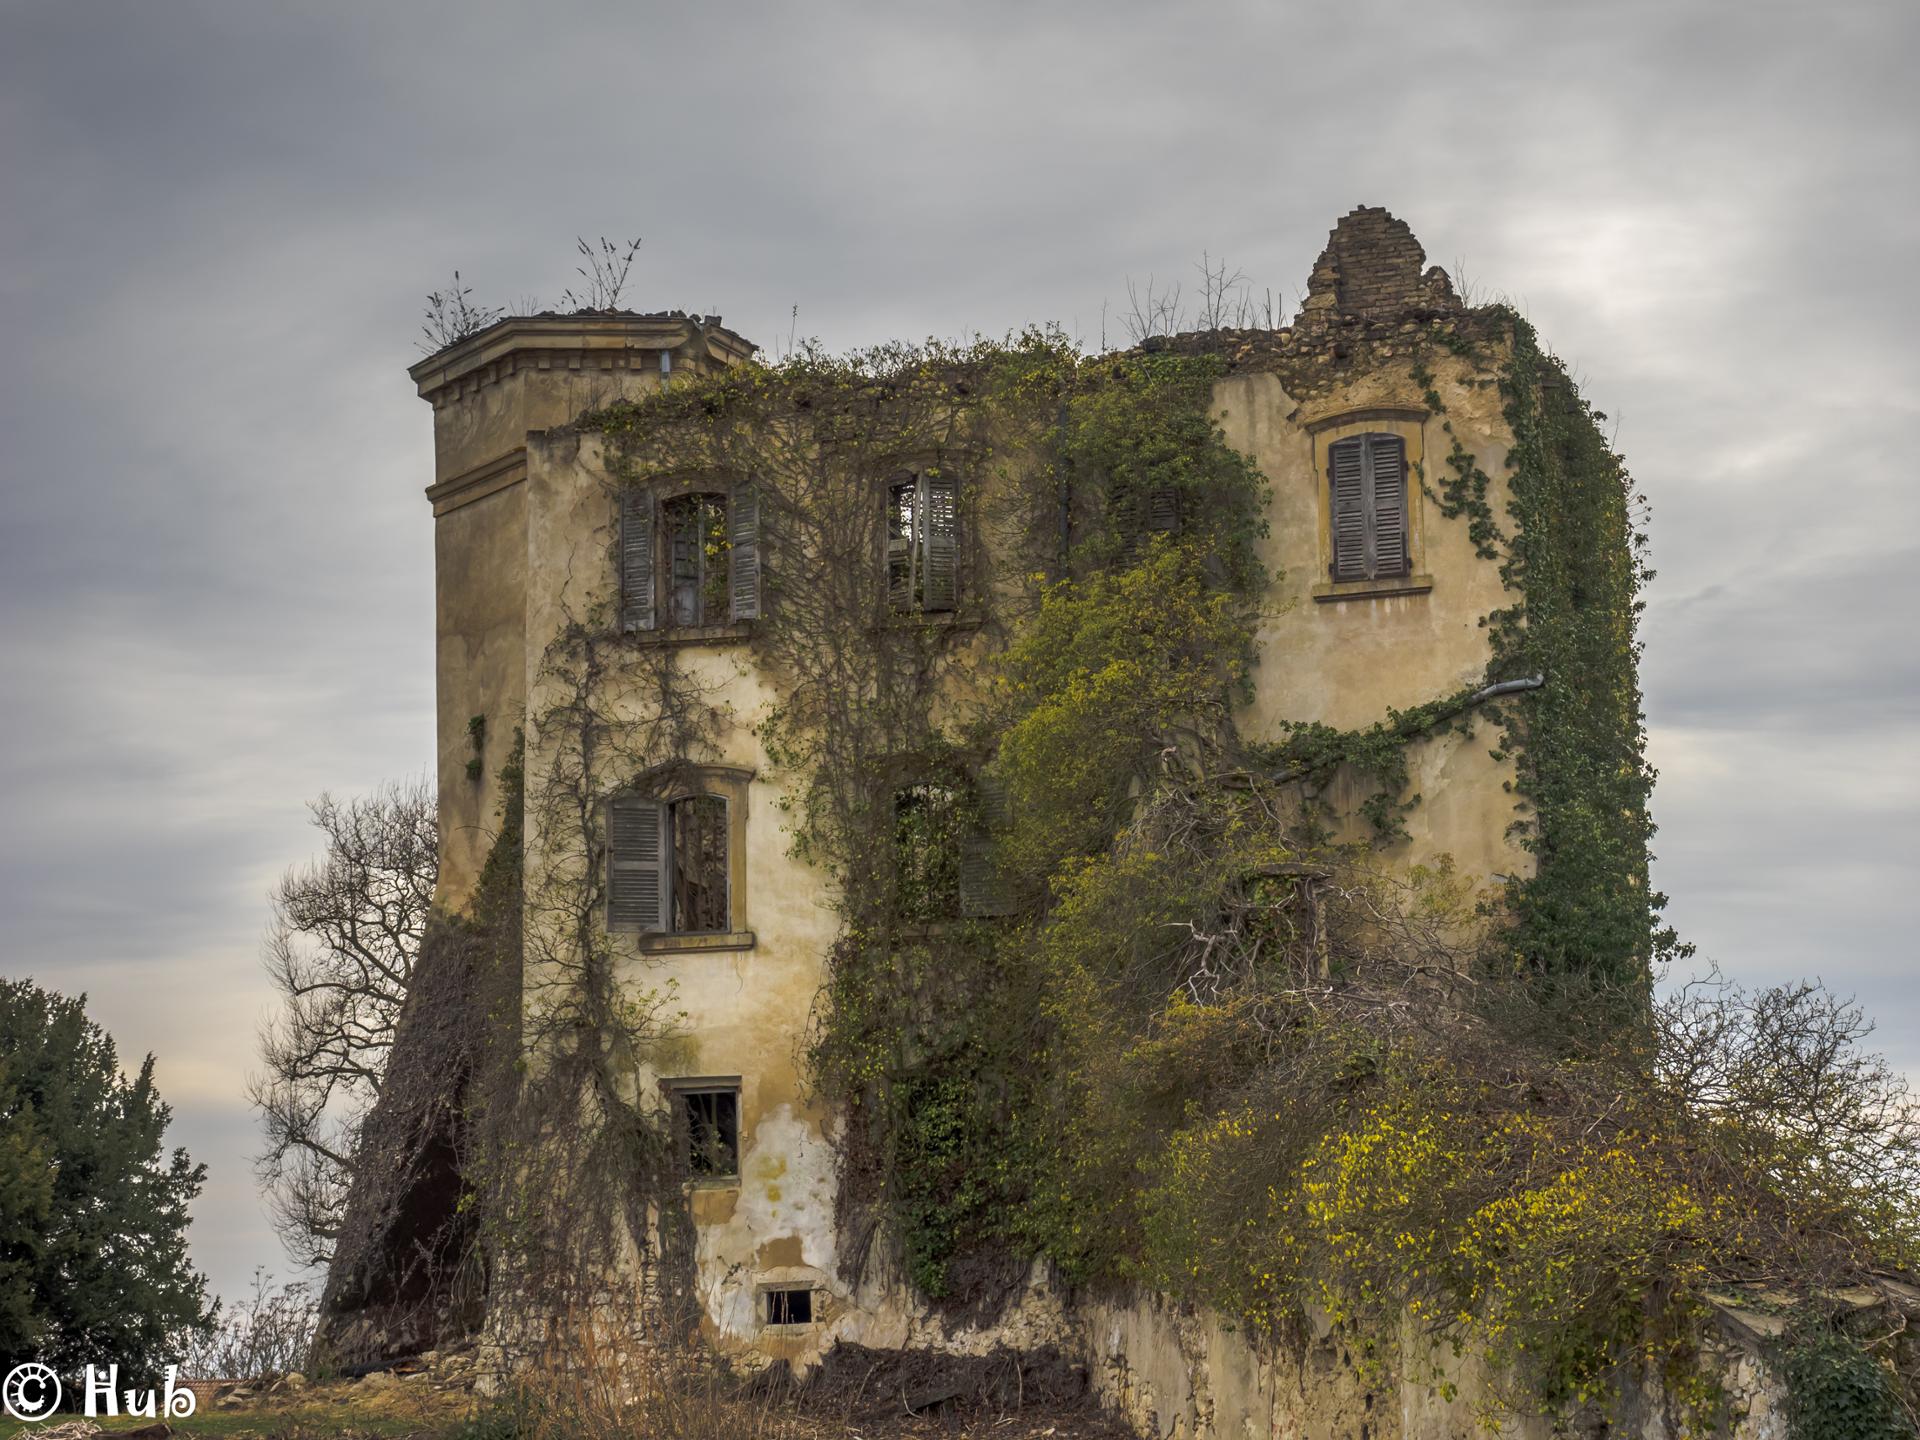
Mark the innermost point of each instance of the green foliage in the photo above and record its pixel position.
(1107, 672)
(1378, 751)
(93, 1211)
(1589, 914)
(1136, 434)
(1836, 1390)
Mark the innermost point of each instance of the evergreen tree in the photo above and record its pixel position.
(93, 1212)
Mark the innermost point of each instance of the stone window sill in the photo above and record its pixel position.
(693, 634)
(657, 944)
(931, 620)
(1330, 591)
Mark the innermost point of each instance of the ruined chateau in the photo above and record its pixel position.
(684, 655)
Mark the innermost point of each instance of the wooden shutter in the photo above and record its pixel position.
(983, 890)
(1346, 470)
(636, 560)
(1387, 491)
(940, 531)
(1163, 509)
(639, 852)
(743, 553)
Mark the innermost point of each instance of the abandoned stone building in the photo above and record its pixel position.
(1381, 430)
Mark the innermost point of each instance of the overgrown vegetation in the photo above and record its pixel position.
(1193, 1042)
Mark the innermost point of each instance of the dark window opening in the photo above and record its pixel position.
(1367, 480)
(710, 1132)
(699, 825)
(929, 830)
(697, 548)
(790, 1307)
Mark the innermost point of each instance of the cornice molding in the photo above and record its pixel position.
(479, 482)
(572, 342)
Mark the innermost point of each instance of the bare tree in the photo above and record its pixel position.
(452, 317)
(1151, 311)
(1226, 300)
(346, 932)
(605, 274)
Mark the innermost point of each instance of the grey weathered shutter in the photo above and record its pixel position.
(638, 855)
(743, 553)
(940, 496)
(1387, 482)
(636, 560)
(983, 890)
(1346, 468)
(1163, 509)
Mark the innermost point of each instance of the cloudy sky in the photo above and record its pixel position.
(218, 223)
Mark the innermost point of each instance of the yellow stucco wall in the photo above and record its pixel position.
(489, 394)
(1346, 660)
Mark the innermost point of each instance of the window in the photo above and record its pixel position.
(1139, 510)
(1367, 487)
(696, 551)
(675, 861)
(923, 548)
(928, 833)
(706, 1117)
(689, 560)
(789, 1306)
(946, 851)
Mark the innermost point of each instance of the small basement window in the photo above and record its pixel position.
(790, 1306)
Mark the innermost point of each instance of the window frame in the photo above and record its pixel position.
(920, 545)
(1407, 425)
(770, 1288)
(728, 783)
(677, 1090)
(979, 889)
(644, 509)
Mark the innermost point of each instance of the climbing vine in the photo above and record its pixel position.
(1190, 1040)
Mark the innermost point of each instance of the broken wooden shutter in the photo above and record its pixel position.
(983, 890)
(940, 505)
(1346, 469)
(1387, 484)
(636, 560)
(743, 553)
(639, 851)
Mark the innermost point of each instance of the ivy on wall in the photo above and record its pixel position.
(1199, 1046)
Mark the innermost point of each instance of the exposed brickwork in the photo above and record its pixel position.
(1368, 302)
(1371, 269)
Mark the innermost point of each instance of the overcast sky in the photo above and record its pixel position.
(218, 223)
